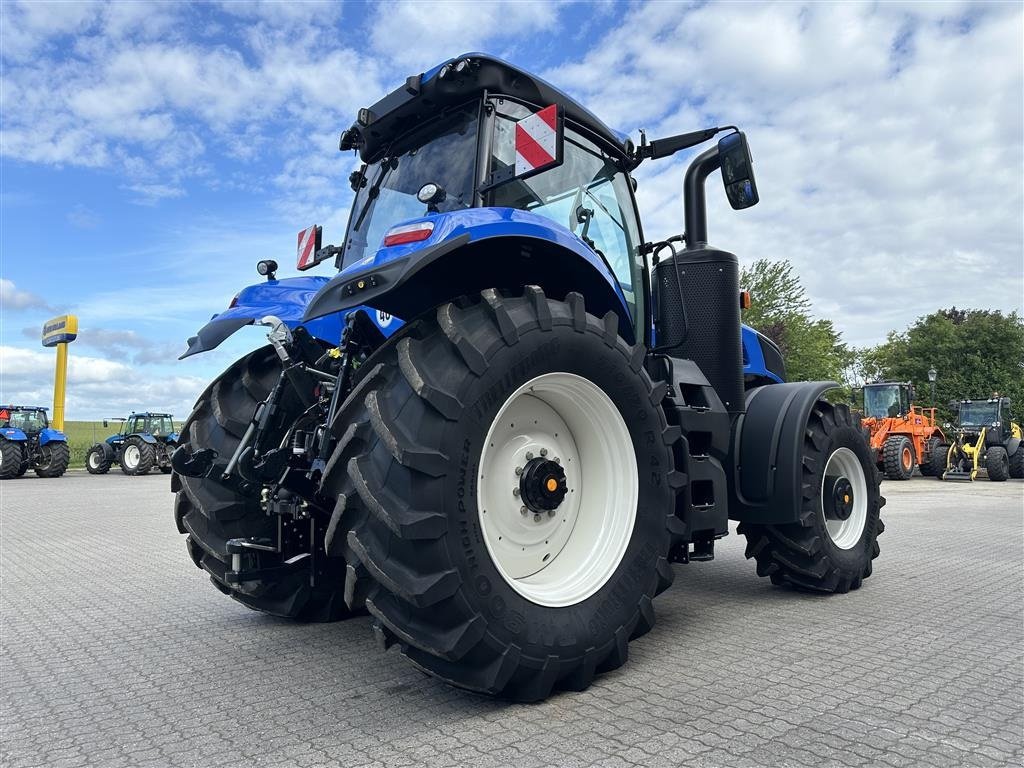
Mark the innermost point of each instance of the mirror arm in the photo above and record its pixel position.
(695, 208)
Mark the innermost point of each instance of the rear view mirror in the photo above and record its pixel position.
(737, 171)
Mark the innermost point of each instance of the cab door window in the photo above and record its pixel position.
(588, 194)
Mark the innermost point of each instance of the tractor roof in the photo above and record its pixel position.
(454, 82)
(151, 413)
(23, 408)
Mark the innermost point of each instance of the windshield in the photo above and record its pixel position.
(26, 421)
(980, 414)
(882, 402)
(442, 152)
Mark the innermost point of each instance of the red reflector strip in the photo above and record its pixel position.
(410, 233)
(307, 246)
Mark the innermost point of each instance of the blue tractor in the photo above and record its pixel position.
(145, 441)
(27, 440)
(508, 415)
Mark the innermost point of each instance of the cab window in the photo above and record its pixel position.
(588, 194)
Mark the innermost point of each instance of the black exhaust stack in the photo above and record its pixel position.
(698, 296)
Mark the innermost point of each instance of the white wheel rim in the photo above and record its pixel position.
(843, 464)
(563, 558)
(131, 456)
(94, 459)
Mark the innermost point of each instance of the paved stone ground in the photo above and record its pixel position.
(118, 652)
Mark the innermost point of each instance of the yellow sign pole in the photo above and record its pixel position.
(60, 383)
(59, 332)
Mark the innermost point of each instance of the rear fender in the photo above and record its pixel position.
(14, 435)
(49, 435)
(767, 452)
(469, 251)
(285, 299)
(145, 437)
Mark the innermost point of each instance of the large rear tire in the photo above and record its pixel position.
(211, 512)
(451, 435)
(831, 547)
(137, 456)
(11, 459)
(898, 457)
(53, 460)
(997, 463)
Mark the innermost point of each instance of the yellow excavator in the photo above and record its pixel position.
(985, 438)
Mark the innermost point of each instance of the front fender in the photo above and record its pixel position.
(286, 299)
(49, 435)
(14, 435)
(106, 448)
(468, 251)
(767, 452)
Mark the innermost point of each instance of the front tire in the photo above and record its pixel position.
(426, 475)
(1017, 463)
(96, 461)
(831, 547)
(898, 458)
(998, 464)
(211, 512)
(938, 460)
(11, 459)
(137, 456)
(54, 460)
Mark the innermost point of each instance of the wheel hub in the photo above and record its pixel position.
(842, 499)
(542, 485)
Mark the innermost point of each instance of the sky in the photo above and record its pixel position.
(151, 154)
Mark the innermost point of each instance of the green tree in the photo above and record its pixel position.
(975, 352)
(812, 348)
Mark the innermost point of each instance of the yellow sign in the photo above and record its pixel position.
(60, 330)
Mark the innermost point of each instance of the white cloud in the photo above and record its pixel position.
(887, 142)
(417, 36)
(97, 387)
(12, 299)
(83, 217)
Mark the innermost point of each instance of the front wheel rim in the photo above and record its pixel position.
(844, 498)
(131, 456)
(94, 460)
(559, 556)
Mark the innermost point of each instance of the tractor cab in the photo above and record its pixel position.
(29, 419)
(888, 400)
(992, 415)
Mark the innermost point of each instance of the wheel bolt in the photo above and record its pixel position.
(519, 470)
(529, 455)
(536, 518)
(551, 513)
(515, 491)
(523, 510)
(557, 460)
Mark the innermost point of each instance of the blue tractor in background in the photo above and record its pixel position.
(508, 415)
(27, 440)
(145, 441)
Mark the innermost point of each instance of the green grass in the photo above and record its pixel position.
(82, 434)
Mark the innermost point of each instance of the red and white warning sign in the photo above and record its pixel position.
(537, 141)
(309, 244)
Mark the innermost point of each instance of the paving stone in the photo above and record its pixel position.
(118, 652)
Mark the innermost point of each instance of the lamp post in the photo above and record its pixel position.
(932, 376)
